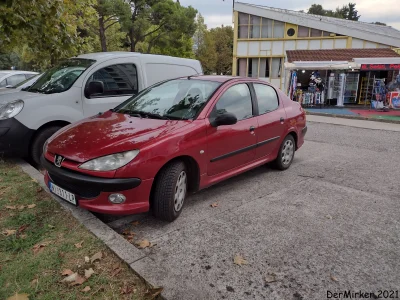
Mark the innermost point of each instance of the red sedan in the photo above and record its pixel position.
(175, 137)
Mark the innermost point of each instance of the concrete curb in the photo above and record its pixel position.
(352, 117)
(122, 248)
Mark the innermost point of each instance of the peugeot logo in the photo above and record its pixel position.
(58, 159)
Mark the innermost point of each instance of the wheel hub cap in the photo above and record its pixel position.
(180, 191)
(287, 152)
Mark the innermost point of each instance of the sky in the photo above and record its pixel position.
(219, 12)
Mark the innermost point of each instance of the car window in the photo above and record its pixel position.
(236, 100)
(15, 79)
(117, 79)
(179, 99)
(266, 97)
(27, 76)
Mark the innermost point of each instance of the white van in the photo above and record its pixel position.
(77, 88)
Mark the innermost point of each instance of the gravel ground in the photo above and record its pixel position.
(329, 223)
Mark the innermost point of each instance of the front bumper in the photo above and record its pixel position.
(92, 192)
(15, 137)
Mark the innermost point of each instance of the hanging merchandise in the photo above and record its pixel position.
(293, 86)
(378, 94)
(342, 84)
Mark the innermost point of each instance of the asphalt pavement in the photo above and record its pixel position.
(330, 223)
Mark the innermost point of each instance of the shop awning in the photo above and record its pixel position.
(321, 65)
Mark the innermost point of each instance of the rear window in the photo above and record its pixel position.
(267, 98)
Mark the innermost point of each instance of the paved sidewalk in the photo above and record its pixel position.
(354, 123)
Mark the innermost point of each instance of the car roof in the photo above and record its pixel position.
(103, 56)
(13, 72)
(225, 78)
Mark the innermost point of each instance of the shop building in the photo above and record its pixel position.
(264, 36)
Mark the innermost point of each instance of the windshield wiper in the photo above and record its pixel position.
(141, 114)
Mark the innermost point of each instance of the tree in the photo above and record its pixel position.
(199, 35)
(379, 23)
(223, 37)
(157, 19)
(110, 13)
(348, 11)
(317, 9)
(45, 31)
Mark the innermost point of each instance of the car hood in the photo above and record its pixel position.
(107, 134)
(16, 94)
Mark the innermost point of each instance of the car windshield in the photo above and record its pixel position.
(180, 99)
(62, 77)
(31, 79)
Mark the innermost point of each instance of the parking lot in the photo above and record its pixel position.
(329, 223)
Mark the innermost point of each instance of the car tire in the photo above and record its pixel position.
(39, 140)
(286, 153)
(170, 191)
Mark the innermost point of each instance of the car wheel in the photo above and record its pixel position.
(286, 153)
(38, 142)
(170, 191)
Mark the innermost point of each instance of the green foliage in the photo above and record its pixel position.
(45, 30)
(348, 12)
(214, 48)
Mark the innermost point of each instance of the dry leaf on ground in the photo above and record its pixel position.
(39, 189)
(21, 207)
(86, 289)
(51, 226)
(79, 280)
(9, 232)
(153, 293)
(34, 282)
(19, 297)
(126, 289)
(116, 272)
(143, 244)
(67, 272)
(89, 273)
(135, 223)
(12, 207)
(79, 245)
(70, 278)
(96, 256)
(87, 259)
(39, 247)
(214, 204)
(239, 260)
(22, 228)
(270, 278)
(333, 278)
(31, 205)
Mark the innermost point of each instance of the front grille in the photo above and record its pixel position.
(81, 190)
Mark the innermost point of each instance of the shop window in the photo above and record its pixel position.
(243, 26)
(254, 67)
(276, 65)
(266, 28)
(316, 32)
(327, 33)
(279, 29)
(302, 31)
(255, 30)
(242, 65)
(264, 68)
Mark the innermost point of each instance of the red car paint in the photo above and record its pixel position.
(161, 141)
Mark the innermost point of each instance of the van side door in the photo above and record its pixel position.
(109, 84)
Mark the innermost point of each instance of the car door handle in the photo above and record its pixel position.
(252, 128)
(282, 120)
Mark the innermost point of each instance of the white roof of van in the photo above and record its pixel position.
(102, 56)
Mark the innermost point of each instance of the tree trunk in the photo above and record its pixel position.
(102, 34)
(132, 38)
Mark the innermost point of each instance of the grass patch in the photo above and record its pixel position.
(37, 242)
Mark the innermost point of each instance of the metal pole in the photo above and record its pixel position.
(366, 93)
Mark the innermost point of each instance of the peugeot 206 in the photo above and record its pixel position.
(174, 138)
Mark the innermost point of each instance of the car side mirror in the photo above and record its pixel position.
(224, 119)
(93, 88)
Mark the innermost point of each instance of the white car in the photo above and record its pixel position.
(10, 78)
(20, 86)
(77, 88)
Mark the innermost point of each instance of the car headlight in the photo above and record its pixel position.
(11, 109)
(110, 162)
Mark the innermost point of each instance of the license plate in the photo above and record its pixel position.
(55, 189)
